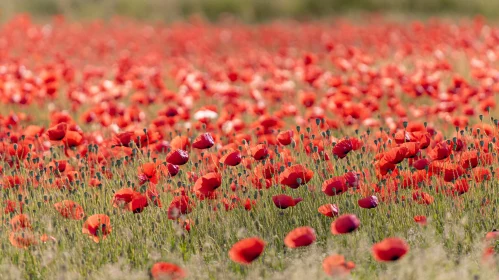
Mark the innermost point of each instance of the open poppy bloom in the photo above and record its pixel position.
(97, 226)
(284, 201)
(390, 249)
(329, 210)
(334, 186)
(22, 239)
(20, 222)
(208, 183)
(300, 237)
(165, 270)
(259, 152)
(247, 250)
(420, 220)
(180, 205)
(58, 132)
(336, 265)
(345, 224)
(130, 200)
(295, 176)
(285, 137)
(147, 173)
(70, 209)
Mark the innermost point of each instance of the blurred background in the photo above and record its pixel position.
(246, 10)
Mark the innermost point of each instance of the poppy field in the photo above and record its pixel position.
(341, 148)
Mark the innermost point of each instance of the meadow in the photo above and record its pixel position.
(339, 148)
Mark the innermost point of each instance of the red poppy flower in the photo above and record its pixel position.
(284, 201)
(208, 183)
(336, 265)
(147, 172)
(203, 141)
(22, 239)
(164, 270)
(57, 132)
(20, 222)
(368, 202)
(232, 158)
(247, 250)
(70, 209)
(295, 176)
(285, 137)
(180, 205)
(97, 226)
(440, 151)
(420, 220)
(334, 186)
(493, 235)
(329, 210)
(177, 157)
(390, 249)
(342, 148)
(345, 224)
(259, 152)
(299, 237)
(72, 139)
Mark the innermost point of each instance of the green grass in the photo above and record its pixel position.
(251, 10)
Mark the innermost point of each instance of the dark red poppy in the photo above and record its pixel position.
(299, 237)
(57, 132)
(177, 157)
(259, 152)
(284, 201)
(203, 141)
(247, 250)
(232, 158)
(334, 186)
(390, 249)
(345, 224)
(285, 137)
(368, 202)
